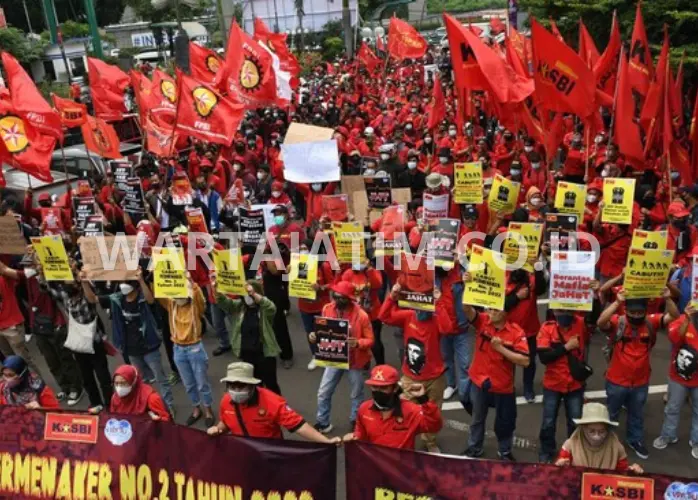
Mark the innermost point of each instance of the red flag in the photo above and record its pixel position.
(329, 69)
(564, 82)
(164, 99)
(404, 42)
(368, 58)
(640, 70)
(533, 126)
(513, 59)
(73, 114)
(276, 42)
(28, 102)
(555, 133)
(247, 75)
(496, 26)
(101, 138)
(159, 140)
(626, 123)
(380, 45)
(142, 91)
(437, 113)
(555, 31)
(204, 63)
(587, 48)
(693, 139)
(477, 67)
(650, 117)
(204, 114)
(606, 68)
(107, 84)
(518, 42)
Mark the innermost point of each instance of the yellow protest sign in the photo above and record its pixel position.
(347, 236)
(524, 235)
(504, 195)
(487, 287)
(646, 273)
(53, 258)
(618, 200)
(170, 275)
(650, 240)
(468, 183)
(230, 272)
(303, 276)
(570, 198)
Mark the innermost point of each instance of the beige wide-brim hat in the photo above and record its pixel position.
(242, 373)
(594, 413)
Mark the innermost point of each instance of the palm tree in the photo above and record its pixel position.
(300, 12)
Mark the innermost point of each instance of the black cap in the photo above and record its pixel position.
(470, 212)
(636, 305)
(280, 209)
(692, 190)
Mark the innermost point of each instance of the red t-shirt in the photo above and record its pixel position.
(630, 363)
(366, 286)
(263, 415)
(400, 429)
(684, 354)
(10, 314)
(557, 374)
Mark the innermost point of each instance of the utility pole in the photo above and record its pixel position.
(276, 18)
(346, 24)
(94, 29)
(50, 15)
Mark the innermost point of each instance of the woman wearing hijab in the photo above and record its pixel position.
(20, 387)
(594, 445)
(133, 397)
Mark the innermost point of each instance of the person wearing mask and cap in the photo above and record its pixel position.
(389, 420)
(21, 387)
(210, 198)
(264, 182)
(574, 167)
(682, 235)
(360, 344)
(445, 163)
(248, 410)
(412, 177)
(631, 338)
(370, 144)
(689, 195)
(132, 396)
(279, 196)
(312, 194)
(284, 230)
(464, 144)
(591, 205)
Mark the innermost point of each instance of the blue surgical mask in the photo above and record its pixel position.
(424, 315)
(279, 220)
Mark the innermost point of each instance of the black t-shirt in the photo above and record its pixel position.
(251, 336)
(134, 338)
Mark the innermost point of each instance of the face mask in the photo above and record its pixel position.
(123, 391)
(500, 128)
(414, 110)
(411, 165)
(535, 201)
(279, 220)
(276, 194)
(598, 140)
(239, 397)
(237, 167)
(452, 133)
(260, 175)
(469, 133)
(125, 288)
(342, 302)
(528, 149)
(251, 144)
(592, 198)
(443, 160)
(358, 267)
(595, 439)
(369, 172)
(680, 224)
(427, 140)
(249, 301)
(246, 194)
(565, 320)
(636, 320)
(316, 187)
(675, 175)
(515, 171)
(535, 166)
(384, 401)
(408, 126)
(385, 156)
(605, 173)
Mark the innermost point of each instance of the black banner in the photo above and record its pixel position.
(94, 226)
(134, 202)
(378, 192)
(122, 172)
(83, 208)
(332, 342)
(441, 245)
(252, 227)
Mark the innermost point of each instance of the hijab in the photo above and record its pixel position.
(605, 456)
(29, 387)
(136, 402)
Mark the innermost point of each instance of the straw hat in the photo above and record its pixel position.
(594, 413)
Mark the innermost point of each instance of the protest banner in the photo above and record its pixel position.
(94, 226)
(195, 220)
(53, 258)
(570, 276)
(618, 200)
(694, 282)
(136, 458)
(303, 276)
(646, 273)
(236, 193)
(120, 264)
(252, 226)
(468, 183)
(504, 195)
(83, 208)
(122, 172)
(378, 192)
(558, 229)
(335, 207)
(442, 240)
(170, 275)
(12, 241)
(435, 206)
(597, 485)
(487, 287)
(310, 162)
(181, 191)
(571, 198)
(391, 238)
(523, 236)
(332, 343)
(134, 201)
(417, 283)
(267, 209)
(650, 240)
(83, 189)
(230, 271)
(347, 237)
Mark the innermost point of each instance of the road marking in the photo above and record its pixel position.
(653, 389)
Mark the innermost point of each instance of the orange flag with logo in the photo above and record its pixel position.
(276, 42)
(101, 138)
(164, 98)
(404, 42)
(73, 114)
(159, 140)
(204, 63)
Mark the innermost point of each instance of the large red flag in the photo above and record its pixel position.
(159, 140)
(142, 91)
(437, 113)
(587, 48)
(204, 63)
(107, 84)
(28, 102)
(247, 75)
(276, 42)
(693, 139)
(564, 82)
(101, 138)
(73, 114)
(404, 42)
(164, 98)
(606, 68)
(366, 56)
(555, 133)
(555, 31)
(204, 114)
(626, 123)
(513, 59)
(518, 42)
(640, 70)
(676, 91)
(650, 117)
(466, 69)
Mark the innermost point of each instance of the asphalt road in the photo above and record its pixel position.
(299, 386)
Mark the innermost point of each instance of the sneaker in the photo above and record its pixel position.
(174, 378)
(639, 449)
(473, 452)
(74, 397)
(323, 429)
(449, 392)
(221, 350)
(287, 363)
(662, 442)
(60, 396)
(312, 365)
(506, 456)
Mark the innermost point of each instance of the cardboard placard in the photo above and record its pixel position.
(650, 240)
(195, 220)
(230, 271)
(646, 273)
(94, 226)
(298, 133)
(488, 285)
(504, 195)
(134, 201)
(468, 183)
(378, 192)
(571, 198)
(12, 241)
(347, 236)
(302, 276)
(252, 226)
(83, 208)
(170, 277)
(443, 237)
(417, 282)
(118, 263)
(618, 195)
(526, 235)
(122, 172)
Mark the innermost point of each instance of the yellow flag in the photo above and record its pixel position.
(348, 235)
(468, 183)
(650, 240)
(618, 201)
(303, 276)
(527, 235)
(570, 199)
(646, 273)
(488, 285)
(53, 258)
(504, 195)
(230, 271)
(170, 276)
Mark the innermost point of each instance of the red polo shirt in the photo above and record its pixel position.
(687, 347)
(557, 374)
(10, 314)
(630, 363)
(263, 415)
(488, 363)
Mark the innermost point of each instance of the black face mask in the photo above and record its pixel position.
(383, 400)
(648, 202)
(342, 302)
(680, 224)
(636, 321)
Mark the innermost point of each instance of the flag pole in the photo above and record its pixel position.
(615, 95)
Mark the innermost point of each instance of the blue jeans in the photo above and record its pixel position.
(218, 321)
(634, 399)
(309, 326)
(328, 384)
(551, 405)
(153, 361)
(457, 351)
(672, 410)
(192, 363)
(504, 420)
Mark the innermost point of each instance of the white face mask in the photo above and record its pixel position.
(515, 171)
(674, 176)
(29, 272)
(276, 194)
(452, 132)
(123, 391)
(591, 198)
(385, 156)
(260, 175)
(239, 397)
(237, 167)
(408, 126)
(469, 133)
(125, 288)
(528, 149)
(411, 165)
(316, 187)
(598, 140)
(536, 201)
(414, 110)
(535, 166)
(427, 140)
(605, 173)
(501, 128)
(248, 300)
(246, 194)
(443, 160)
(369, 173)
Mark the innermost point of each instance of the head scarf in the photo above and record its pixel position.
(30, 385)
(605, 456)
(136, 403)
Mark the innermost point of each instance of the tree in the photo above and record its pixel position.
(108, 12)
(145, 10)
(15, 42)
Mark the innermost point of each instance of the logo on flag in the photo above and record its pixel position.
(13, 134)
(204, 101)
(250, 74)
(560, 75)
(169, 90)
(213, 64)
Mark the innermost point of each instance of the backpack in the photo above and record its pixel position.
(618, 336)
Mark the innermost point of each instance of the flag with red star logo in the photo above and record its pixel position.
(204, 63)
(101, 138)
(204, 114)
(107, 85)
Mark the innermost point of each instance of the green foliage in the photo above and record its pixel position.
(71, 29)
(144, 9)
(108, 12)
(47, 87)
(439, 6)
(308, 61)
(333, 29)
(332, 47)
(15, 42)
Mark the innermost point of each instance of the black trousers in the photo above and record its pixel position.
(164, 324)
(264, 369)
(378, 349)
(95, 370)
(283, 337)
(60, 360)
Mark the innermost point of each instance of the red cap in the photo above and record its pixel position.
(596, 184)
(44, 197)
(206, 163)
(383, 375)
(677, 209)
(344, 288)
(277, 186)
